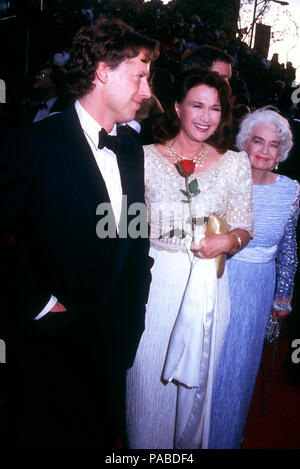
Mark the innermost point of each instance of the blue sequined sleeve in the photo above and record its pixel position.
(287, 261)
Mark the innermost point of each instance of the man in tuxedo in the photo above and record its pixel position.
(48, 94)
(81, 290)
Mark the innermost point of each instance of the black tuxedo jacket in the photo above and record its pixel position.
(50, 188)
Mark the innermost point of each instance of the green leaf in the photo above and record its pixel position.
(185, 201)
(193, 186)
(196, 193)
(184, 192)
(175, 232)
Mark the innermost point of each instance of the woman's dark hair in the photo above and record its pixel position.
(167, 126)
(161, 80)
(109, 40)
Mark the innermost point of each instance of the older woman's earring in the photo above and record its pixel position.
(276, 167)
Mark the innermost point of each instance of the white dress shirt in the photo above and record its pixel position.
(105, 159)
(108, 167)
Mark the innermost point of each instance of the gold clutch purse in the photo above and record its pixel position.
(218, 225)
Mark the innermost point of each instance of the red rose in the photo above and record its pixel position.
(185, 167)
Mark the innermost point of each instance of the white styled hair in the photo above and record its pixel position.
(266, 115)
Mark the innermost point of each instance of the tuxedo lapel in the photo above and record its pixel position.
(81, 164)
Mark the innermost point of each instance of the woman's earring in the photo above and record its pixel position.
(276, 167)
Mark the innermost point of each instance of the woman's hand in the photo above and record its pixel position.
(212, 245)
(283, 310)
(279, 314)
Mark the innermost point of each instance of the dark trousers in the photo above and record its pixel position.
(72, 391)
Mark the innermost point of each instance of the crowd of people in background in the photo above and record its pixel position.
(46, 37)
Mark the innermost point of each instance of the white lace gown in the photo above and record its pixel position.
(169, 386)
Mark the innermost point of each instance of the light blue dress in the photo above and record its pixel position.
(263, 270)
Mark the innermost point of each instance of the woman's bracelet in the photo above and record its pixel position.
(282, 307)
(239, 240)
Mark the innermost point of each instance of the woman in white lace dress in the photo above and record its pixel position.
(170, 384)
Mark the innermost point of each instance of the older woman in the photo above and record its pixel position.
(169, 386)
(260, 276)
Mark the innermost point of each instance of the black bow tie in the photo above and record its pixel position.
(108, 141)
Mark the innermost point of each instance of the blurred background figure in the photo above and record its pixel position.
(48, 94)
(210, 57)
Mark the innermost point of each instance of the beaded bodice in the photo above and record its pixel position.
(225, 189)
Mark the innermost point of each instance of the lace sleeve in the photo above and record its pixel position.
(240, 209)
(287, 261)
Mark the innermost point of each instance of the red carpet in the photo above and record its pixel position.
(280, 427)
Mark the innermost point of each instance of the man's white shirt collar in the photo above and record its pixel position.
(90, 126)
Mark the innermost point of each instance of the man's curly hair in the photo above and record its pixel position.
(109, 40)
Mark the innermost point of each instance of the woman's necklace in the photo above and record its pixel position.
(198, 160)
